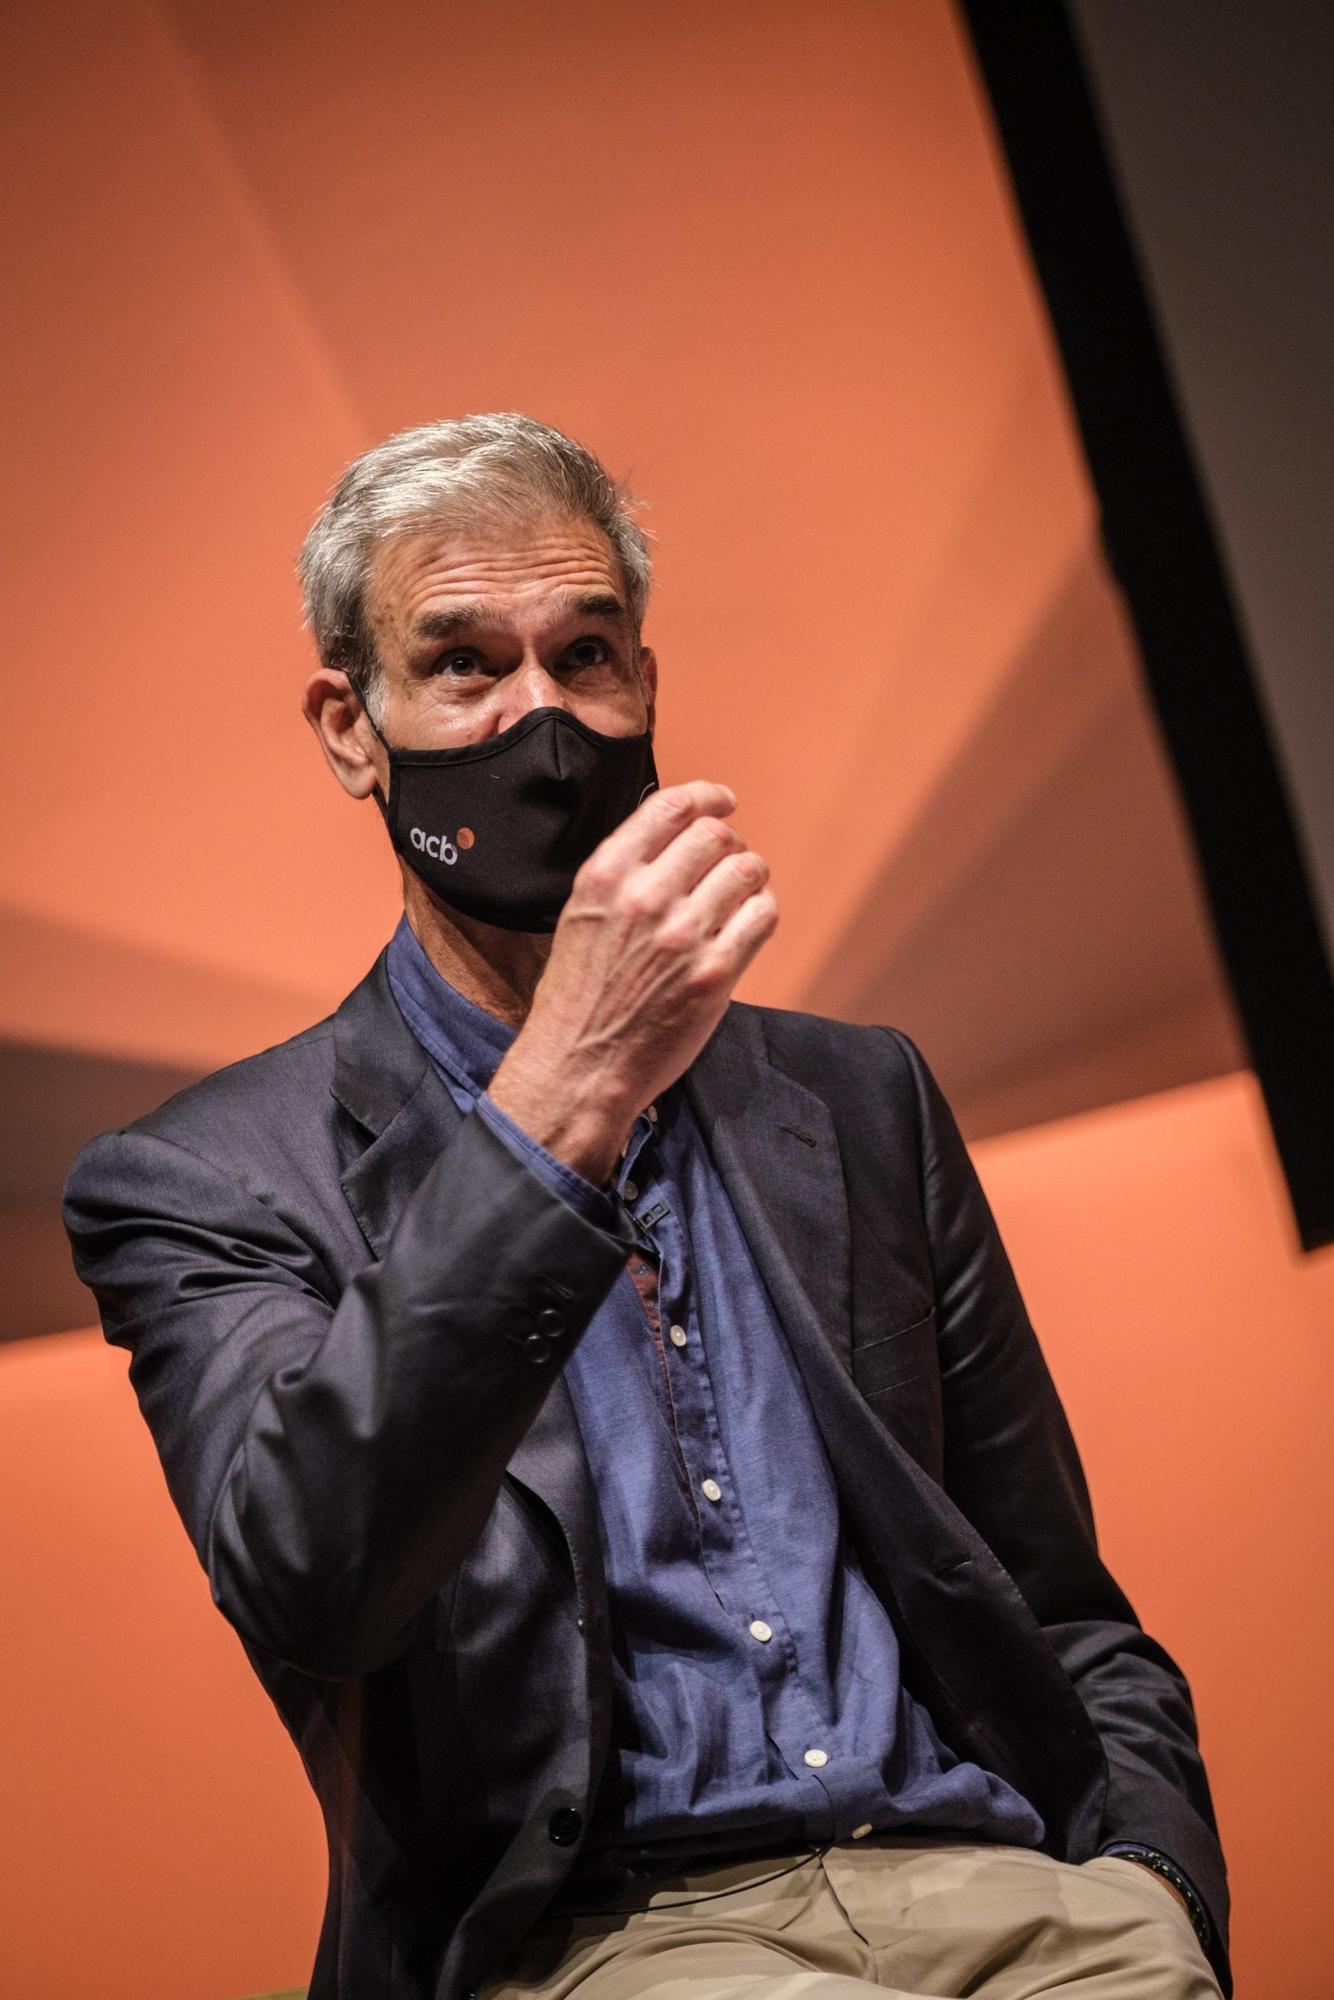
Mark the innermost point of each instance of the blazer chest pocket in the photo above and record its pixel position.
(899, 1376)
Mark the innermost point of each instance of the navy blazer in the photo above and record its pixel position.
(347, 1307)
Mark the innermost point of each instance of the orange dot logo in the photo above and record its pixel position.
(465, 836)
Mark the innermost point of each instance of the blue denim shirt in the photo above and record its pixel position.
(757, 1696)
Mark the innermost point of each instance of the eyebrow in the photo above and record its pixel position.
(462, 618)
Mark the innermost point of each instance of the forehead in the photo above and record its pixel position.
(517, 572)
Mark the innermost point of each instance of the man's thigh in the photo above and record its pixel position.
(947, 1918)
(770, 1927)
(908, 1920)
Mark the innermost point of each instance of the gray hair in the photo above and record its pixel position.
(491, 470)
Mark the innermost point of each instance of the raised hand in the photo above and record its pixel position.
(663, 919)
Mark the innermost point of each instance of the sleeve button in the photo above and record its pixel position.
(565, 1826)
(536, 1348)
(551, 1322)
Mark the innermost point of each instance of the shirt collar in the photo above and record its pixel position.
(464, 1042)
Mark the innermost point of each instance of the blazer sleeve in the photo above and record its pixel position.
(334, 1456)
(1012, 1467)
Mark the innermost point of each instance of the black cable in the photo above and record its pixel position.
(713, 1896)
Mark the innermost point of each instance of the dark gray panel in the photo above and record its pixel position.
(55, 1100)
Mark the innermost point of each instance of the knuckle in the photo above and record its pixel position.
(592, 876)
(701, 980)
(678, 931)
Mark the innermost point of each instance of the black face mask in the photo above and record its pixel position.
(498, 829)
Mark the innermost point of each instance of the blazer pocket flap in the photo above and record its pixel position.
(896, 1357)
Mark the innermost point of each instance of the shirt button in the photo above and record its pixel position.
(631, 1191)
(652, 1114)
(711, 1490)
(677, 1335)
(860, 1832)
(816, 1759)
(759, 1630)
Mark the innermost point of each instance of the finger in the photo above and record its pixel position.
(686, 860)
(751, 925)
(724, 888)
(661, 817)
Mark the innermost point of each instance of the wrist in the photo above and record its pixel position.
(1166, 1880)
(1176, 1881)
(582, 1123)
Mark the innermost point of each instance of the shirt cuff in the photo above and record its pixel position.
(1163, 1864)
(594, 1204)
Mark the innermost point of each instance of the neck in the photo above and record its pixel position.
(498, 970)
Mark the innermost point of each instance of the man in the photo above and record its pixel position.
(605, 1412)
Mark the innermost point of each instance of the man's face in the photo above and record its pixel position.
(474, 630)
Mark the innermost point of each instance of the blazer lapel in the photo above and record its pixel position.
(385, 1080)
(552, 1465)
(775, 1148)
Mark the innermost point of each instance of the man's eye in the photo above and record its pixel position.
(588, 653)
(457, 664)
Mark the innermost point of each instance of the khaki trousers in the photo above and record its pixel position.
(905, 1918)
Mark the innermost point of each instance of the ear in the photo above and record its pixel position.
(648, 669)
(353, 752)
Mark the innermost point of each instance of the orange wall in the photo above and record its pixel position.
(160, 1841)
(760, 256)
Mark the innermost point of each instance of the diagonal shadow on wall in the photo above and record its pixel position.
(1040, 930)
(56, 1100)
